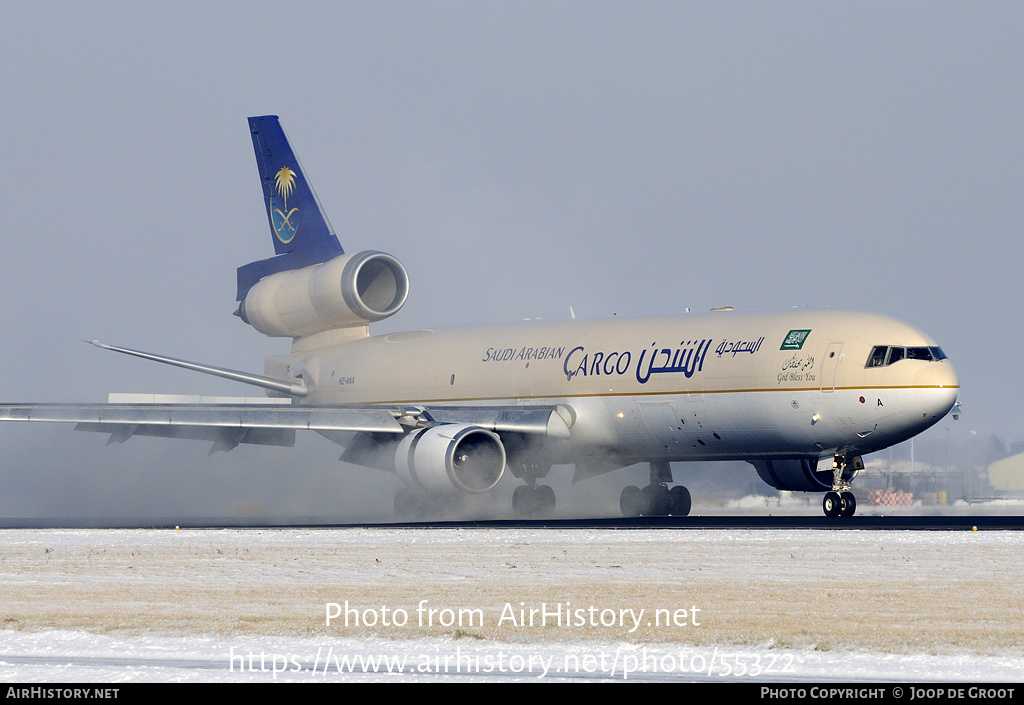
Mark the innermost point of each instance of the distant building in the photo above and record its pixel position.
(1007, 475)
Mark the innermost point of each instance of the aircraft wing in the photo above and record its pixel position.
(229, 421)
(227, 425)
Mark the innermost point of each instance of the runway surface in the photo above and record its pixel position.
(876, 522)
(511, 603)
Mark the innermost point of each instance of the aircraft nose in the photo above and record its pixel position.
(936, 387)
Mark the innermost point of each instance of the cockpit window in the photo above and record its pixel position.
(883, 355)
(878, 354)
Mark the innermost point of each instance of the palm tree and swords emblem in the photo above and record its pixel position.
(284, 181)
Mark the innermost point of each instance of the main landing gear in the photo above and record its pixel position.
(839, 501)
(532, 500)
(656, 499)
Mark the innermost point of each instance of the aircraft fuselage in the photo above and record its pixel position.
(724, 385)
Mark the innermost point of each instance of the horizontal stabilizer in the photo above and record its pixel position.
(291, 387)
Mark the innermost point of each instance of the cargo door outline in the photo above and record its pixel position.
(829, 367)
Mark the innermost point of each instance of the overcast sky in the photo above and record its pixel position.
(519, 158)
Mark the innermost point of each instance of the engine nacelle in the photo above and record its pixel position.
(450, 457)
(798, 475)
(348, 290)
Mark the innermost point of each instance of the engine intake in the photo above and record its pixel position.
(348, 290)
(450, 457)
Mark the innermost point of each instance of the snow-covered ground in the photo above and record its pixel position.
(253, 605)
(57, 656)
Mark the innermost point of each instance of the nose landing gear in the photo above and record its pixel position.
(839, 504)
(839, 501)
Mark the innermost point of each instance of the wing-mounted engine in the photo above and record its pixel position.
(460, 451)
(793, 474)
(348, 290)
(451, 457)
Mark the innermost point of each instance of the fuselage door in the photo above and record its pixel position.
(662, 422)
(829, 365)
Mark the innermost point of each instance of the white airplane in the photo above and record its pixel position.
(450, 411)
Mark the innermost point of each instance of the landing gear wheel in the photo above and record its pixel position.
(521, 504)
(631, 501)
(536, 501)
(679, 499)
(544, 496)
(832, 504)
(656, 501)
(849, 504)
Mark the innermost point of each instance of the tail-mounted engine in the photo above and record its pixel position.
(349, 290)
(451, 457)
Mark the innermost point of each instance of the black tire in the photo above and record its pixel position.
(544, 500)
(656, 501)
(631, 502)
(849, 504)
(679, 498)
(831, 504)
(523, 501)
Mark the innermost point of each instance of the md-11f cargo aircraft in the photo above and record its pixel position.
(799, 394)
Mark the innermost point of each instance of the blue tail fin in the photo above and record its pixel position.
(301, 232)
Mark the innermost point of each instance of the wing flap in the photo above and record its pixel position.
(254, 416)
(223, 437)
